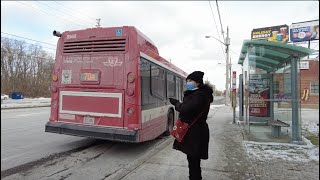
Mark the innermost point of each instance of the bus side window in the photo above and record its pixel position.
(178, 89)
(171, 86)
(157, 82)
(145, 73)
(183, 87)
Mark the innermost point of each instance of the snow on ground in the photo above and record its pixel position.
(216, 106)
(312, 127)
(26, 102)
(289, 152)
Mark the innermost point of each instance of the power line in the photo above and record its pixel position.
(81, 13)
(62, 11)
(39, 56)
(32, 40)
(216, 28)
(28, 39)
(220, 19)
(50, 14)
(233, 51)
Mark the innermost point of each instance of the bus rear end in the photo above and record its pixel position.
(88, 88)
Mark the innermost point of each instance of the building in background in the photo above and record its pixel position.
(309, 84)
(309, 89)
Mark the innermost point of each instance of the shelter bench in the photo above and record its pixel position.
(276, 127)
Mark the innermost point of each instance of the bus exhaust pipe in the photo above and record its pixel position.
(56, 33)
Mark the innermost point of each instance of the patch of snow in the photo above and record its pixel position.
(216, 106)
(291, 152)
(26, 102)
(310, 127)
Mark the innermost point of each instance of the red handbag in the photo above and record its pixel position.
(180, 129)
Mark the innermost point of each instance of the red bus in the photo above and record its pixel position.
(111, 83)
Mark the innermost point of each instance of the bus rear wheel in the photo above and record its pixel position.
(169, 124)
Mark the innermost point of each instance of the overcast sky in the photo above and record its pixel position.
(178, 28)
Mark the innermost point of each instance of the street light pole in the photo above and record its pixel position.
(226, 43)
(230, 75)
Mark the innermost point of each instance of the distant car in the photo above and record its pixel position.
(17, 95)
(4, 96)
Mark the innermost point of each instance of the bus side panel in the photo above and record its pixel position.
(154, 122)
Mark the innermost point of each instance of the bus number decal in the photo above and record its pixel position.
(71, 36)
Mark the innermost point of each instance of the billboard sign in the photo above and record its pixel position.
(274, 33)
(304, 31)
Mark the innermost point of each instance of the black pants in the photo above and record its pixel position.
(194, 168)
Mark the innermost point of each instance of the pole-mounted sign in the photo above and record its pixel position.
(234, 95)
(234, 81)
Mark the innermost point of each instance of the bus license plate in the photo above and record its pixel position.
(89, 120)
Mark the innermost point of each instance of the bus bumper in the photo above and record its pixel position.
(122, 135)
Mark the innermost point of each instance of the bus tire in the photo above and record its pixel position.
(169, 123)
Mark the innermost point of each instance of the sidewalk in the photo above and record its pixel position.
(226, 157)
(230, 157)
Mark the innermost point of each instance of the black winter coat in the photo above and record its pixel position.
(196, 140)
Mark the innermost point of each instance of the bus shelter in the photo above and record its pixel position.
(270, 90)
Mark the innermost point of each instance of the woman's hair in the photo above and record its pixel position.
(315, 28)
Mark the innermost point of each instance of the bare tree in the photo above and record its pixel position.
(25, 68)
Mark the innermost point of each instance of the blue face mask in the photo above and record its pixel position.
(190, 86)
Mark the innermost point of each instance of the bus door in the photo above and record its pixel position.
(91, 90)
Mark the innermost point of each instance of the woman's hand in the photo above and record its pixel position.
(173, 101)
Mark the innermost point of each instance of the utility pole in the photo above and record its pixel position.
(98, 22)
(230, 75)
(227, 43)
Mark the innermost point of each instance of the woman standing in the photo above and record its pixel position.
(196, 101)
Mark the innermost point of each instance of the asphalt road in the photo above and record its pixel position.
(23, 138)
(27, 149)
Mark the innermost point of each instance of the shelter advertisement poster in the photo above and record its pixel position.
(304, 31)
(274, 33)
(259, 95)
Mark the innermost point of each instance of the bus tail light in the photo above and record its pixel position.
(130, 92)
(55, 78)
(131, 77)
(130, 111)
